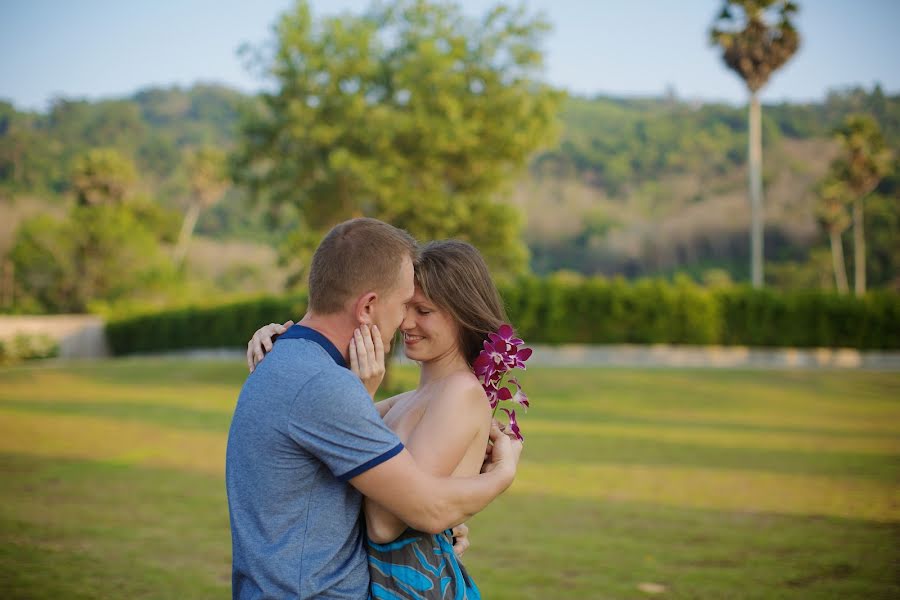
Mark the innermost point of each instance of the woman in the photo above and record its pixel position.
(454, 308)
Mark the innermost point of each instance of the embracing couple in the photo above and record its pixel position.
(333, 496)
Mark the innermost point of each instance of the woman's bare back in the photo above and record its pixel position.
(408, 409)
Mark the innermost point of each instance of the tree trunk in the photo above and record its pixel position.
(187, 230)
(837, 261)
(8, 286)
(859, 248)
(756, 192)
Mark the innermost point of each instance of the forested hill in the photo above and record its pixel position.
(633, 186)
(153, 127)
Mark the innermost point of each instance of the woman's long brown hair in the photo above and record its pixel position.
(454, 276)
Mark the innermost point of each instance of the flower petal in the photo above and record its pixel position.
(492, 394)
(519, 397)
(513, 424)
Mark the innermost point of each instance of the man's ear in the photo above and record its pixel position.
(364, 308)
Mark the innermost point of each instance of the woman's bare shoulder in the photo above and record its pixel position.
(400, 396)
(463, 388)
(386, 405)
(462, 381)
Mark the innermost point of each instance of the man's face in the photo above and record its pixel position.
(391, 306)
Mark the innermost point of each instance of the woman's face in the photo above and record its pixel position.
(428, 332)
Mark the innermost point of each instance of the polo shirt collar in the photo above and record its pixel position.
(301, 332)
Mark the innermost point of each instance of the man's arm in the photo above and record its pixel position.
(438, 443)
(431, 503)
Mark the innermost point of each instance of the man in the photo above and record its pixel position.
(306, 440)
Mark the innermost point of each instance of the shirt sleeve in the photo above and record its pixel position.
(334, 419)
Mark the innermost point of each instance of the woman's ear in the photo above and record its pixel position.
(365, 308)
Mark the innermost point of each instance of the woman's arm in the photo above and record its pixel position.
(261, 342)
(438, 443)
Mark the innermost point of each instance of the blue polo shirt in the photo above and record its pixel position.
(303, 426)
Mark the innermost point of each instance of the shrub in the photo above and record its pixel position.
(557, 310)
(26, 346)
(221, 326)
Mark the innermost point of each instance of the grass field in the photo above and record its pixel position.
(708, 484)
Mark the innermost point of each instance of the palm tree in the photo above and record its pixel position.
(832, 212)
(865, 161)
(208, 179)
(756, 38)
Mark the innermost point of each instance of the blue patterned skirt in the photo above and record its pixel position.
(418, 566)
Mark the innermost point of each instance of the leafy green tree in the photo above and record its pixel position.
(102, 176)
(15, 138)
(864, 161)
(26, 156)
(411, 113)
(105, 249)
(754, 45)
(99, 252)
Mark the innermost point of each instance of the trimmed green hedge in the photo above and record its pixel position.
(591, 311)
(223, 326)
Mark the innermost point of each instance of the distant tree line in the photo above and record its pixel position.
(613, 143)
(411, 112)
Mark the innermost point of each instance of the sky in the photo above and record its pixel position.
(111, 48)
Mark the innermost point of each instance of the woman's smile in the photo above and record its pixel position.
(411, 339)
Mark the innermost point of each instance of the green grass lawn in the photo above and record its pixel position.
(709, 484)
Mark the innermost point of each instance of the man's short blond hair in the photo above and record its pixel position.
(355, 257)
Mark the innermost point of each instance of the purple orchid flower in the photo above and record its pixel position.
(497, 352)
(496, 395)
(484, 368)
(519, 358)
(505, 335)
(501, 354)
(513, 424)
(519, 397)
(504, 355)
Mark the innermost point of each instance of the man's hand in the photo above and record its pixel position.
(367, 357)
(503, 452)
(460, 539)
(262, 341)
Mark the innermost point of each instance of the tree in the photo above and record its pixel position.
(864, 161)
(105, 249)
(754, 47)
(102, 176)
(411, 113)
(208, 177)
(98, 252)
(832, 212)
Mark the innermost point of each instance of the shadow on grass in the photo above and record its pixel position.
(85, 529)
(542, 447)
(612, 449)
(542, 546)
(157, 414)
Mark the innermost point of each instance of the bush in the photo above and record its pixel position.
(28, 347)
(556, 310)
(597, 310)
(809, 318)
(223, 326)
